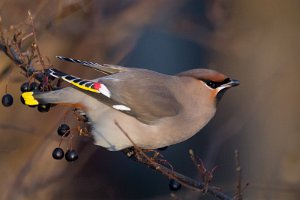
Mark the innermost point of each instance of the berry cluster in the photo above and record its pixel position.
(34, 86)
(58, 153)
(34, 68)
(42, 82)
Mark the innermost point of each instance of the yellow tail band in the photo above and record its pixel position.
(29, 99)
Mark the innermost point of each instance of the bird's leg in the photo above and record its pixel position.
(129, 152)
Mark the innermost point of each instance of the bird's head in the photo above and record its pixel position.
(216, 82)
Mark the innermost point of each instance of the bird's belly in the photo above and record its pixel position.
(163, 133)
(107, 134)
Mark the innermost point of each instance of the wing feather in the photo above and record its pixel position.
(148, 94)
(105, 68)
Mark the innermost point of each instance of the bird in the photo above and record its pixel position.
(155, 109)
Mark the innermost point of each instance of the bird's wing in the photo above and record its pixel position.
(136, 93)
(147, 94)
(103, 68)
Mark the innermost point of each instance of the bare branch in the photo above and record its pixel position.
(190, 183)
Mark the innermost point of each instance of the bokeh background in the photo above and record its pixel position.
(254, 41)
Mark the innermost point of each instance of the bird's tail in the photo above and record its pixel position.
(88, 85)
(65, 95)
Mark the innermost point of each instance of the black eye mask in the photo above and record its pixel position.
(214, 85)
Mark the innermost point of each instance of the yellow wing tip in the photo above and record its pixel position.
(29, 99)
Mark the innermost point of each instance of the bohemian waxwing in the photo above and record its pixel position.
(155, 110)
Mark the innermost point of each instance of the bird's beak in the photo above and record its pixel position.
(229, 84)
(232, 83)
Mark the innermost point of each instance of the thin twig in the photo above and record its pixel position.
(240, 188)
(35, 40)
(238, 169)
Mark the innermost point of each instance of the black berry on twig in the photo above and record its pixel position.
(44, 107)
(71, 155)
(63, 130)
(58, 153)
(174, 185)
(7, 100)
(25, 87)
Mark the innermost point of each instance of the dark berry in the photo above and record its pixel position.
(162, 148)
(34, 86)
(44, 107)
(39, 76)
(7, 100)
(71, 155)
(63, 130)
(174, 185)
(58, 153)
(25, 87)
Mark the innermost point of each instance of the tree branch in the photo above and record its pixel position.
(190, 183)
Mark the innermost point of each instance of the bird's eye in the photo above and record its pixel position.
(212, 84)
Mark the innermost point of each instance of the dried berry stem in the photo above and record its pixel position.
(35, 40)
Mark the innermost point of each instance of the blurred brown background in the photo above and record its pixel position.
(255, 41)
